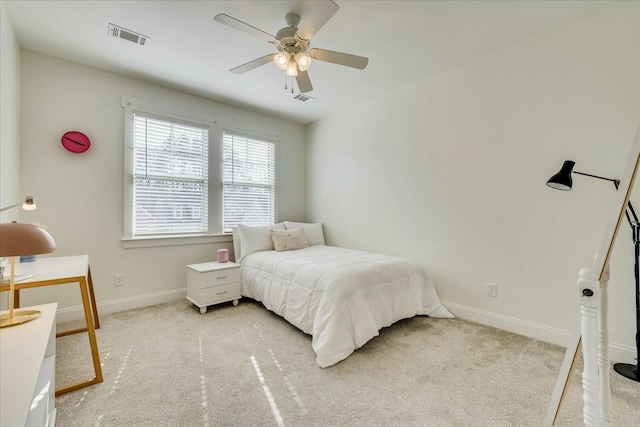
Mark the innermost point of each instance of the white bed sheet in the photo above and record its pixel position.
(341, 297)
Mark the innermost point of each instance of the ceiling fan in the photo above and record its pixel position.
(293, 42)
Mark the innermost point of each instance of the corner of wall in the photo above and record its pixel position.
(9, 116)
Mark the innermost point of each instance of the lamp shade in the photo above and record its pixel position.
(562, 180)
(29, 204)
(281, 60)
(292, 69)
(24, 239)
(303, 59)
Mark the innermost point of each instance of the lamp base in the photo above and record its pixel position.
(19, 316)
(627, 370)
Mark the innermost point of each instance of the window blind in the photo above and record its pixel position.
(170, 176)
(248, 181)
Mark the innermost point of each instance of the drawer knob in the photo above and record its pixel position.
(221, 293)
(223, 277)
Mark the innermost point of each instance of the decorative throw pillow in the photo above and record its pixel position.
(313, 231)
(289, 240)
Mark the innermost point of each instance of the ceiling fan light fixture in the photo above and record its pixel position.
(303, 59)
(281, 60)
(294, 56)
(292, 69)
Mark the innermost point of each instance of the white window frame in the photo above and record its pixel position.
(261, 139)
(171, 164)
(217, 127)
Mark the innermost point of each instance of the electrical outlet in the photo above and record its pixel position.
(492, 290)
(119, 280)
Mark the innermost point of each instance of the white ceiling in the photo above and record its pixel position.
(404, 41)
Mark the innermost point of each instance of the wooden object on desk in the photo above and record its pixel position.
(28, 366)
(64, 270)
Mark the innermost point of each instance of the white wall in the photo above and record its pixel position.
(451, 172)
(80, 197)
(9, 118)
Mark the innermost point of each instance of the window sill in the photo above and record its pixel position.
(149, 242)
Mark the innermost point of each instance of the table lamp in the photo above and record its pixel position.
(21, 239)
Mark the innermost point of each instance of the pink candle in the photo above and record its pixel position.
(223, 255)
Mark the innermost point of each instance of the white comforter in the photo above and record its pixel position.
(341, 297)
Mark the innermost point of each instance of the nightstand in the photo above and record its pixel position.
(212, 283)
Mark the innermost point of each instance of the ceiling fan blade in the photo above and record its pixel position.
(253, 64)
(244, 27)
(322, 11)
(304, 82)
(348, 60)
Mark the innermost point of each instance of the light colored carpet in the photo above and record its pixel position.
(168, 365)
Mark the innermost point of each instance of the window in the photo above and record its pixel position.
(190, 179)
(248, 180)
(170, 176)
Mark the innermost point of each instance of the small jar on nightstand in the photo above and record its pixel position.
(212, 283)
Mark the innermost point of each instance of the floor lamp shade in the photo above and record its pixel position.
(15, 240)
(562, 180)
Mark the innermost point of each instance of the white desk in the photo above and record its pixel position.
(27, 363)
(62, 270)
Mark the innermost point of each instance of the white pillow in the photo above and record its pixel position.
(255, 238)
(289, 240)
(237, 253)
(314, 233)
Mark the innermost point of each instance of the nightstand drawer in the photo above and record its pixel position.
(220, 277)
(213, 278)
(214, 294)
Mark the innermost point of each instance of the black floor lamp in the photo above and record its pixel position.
(562, 181)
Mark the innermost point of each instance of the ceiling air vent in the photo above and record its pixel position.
(123, 33)
(304, 98)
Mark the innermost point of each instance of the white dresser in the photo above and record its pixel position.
(212, 283)
(27, 371)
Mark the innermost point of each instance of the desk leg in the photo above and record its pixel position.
(92, 341)
(94, 309)
(96, 320)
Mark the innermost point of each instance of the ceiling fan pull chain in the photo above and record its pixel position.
(291, 84)
(285, 82)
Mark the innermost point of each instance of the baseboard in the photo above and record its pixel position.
(114, 306)
(617, 352)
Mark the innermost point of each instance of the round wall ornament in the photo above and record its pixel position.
(76, 142)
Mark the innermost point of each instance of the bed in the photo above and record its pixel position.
(341, 297)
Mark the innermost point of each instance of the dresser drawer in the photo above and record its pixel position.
(214, 294)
